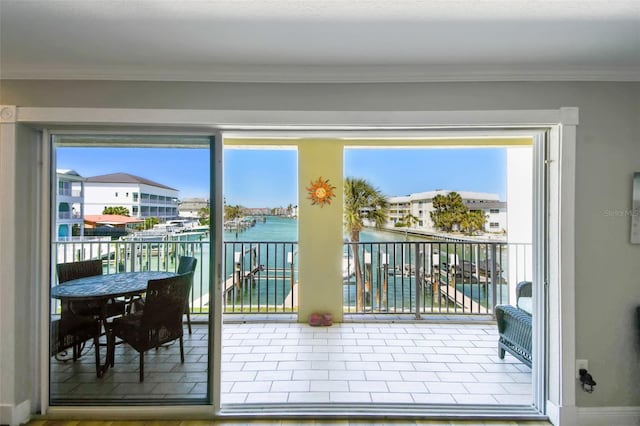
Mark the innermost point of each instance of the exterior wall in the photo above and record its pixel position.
(100, 195)
(190, 207)
(499, 218)
(607, 154)
(70, 203)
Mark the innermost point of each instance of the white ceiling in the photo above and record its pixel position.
(321, 40)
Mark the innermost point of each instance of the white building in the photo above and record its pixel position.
(69, 204)
(142, 197)
(420, 205)
(190, 207)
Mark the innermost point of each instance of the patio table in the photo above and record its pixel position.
(101, 289)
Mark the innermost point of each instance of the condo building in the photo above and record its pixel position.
(69, 204)
(142, 197)
(420, 205)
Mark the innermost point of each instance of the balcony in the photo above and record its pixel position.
(67, 215)
(394, 347)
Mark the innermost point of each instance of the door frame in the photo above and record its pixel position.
(560, 124)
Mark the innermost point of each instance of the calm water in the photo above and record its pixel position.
(284, 229)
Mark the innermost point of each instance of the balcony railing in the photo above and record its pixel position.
(69, 215)
(260, 277)
(432, 277)
(130, 256)
(396, 277)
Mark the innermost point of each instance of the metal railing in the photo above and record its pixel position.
(432, 277)
(395, 277)
(152, 255)
(260, 277)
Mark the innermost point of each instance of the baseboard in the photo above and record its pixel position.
(610, 416)
(14, 415)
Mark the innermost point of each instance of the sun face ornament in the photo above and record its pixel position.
(321, 192)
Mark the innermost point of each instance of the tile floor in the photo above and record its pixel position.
(370, 363)
(274, 362)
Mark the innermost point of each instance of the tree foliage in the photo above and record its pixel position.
(119, 210)
(473, 221)
(203, 215)
(362, 202)
(232, 212)
(450, 214)
(407, 221)
(150, 222)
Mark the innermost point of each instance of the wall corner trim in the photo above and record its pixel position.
(8, 113)
(15, 415)
(561, 415)
(570, 116)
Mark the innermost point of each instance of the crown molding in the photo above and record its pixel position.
(336, 74)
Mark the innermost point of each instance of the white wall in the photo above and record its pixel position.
(97, 196)
(18, 255)
(607, 154)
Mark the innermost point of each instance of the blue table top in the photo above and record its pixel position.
(107, 286)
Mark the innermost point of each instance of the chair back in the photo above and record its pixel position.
(74, 270)
(523, 289)
(164, 304)
(187, 264)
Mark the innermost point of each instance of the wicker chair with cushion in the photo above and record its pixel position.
(79, 320)
(187, 264)
(514, 326)
(159, 322)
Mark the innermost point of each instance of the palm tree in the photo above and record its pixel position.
(408, 221)
(362, 202)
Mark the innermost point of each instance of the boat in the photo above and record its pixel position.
(348, 268)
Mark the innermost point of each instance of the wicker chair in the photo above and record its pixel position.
(85, 308)
(514, 327)
(187, 264)
(158, 323)
(78, 320)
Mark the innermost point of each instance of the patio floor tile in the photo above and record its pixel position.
(422, 363)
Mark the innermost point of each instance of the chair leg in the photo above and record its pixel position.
(111, 349)
(141, 367)
(181, 350)
(96, 349)
(188, 319)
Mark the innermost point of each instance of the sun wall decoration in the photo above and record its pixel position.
(321, 192)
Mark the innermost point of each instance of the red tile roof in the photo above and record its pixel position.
(111, 219)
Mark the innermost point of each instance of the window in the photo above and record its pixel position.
(494, 211)
(135, 197)
(116, 194)
(494, 225)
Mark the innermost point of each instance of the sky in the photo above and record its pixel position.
(268, 178)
